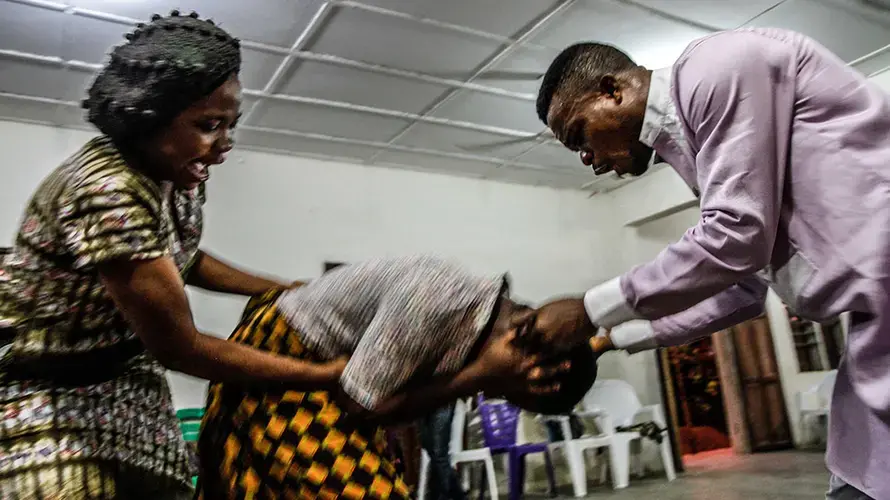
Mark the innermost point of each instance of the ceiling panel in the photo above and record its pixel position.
(651, 41)
(503, 17)
(437, 163)
(28, 110)
(554, 156)
(17, 29)
(257, 68)
(843, 32)
(321, 120)
(90, 39)
(524, 61)
(284, 143)
(276, 22)
(395, 42)
(494, 110)
(328, 81)
(725, 14)
(41, 79)
(443, 138)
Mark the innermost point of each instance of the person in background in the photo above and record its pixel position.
(92, 299)
(435, 436)
(788, 150)
(419, 333)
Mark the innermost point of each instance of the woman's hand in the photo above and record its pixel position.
(503, 367)
(335, 368)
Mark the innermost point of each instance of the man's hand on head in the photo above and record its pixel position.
(602, 343)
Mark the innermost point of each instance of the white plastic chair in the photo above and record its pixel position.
(618, 400)
(815, 404)
(458, 455)
(574, 449)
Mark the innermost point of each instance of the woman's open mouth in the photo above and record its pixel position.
(198, 171)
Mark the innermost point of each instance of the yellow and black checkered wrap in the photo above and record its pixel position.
(262, 443)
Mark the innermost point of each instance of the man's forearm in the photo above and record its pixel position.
(420, 400)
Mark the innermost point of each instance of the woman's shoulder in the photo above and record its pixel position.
(99, 167)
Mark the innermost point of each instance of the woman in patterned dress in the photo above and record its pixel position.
(92, 300)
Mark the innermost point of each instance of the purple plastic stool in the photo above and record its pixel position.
(499, 424)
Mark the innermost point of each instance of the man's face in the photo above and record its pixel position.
(603, 125)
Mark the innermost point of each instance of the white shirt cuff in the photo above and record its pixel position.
(634, 336)
(607, 306)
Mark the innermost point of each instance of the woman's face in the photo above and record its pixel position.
(197, 138)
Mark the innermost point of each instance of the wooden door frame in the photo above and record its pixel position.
(730, 387)
(667, 395)
(779, 382)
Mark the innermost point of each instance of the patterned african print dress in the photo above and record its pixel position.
(271, 444)
(85, 412)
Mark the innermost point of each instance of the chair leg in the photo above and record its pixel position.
(551, 475)
(602, 465)
(619, 463)
(465, 476)
(424, 474)
(516, 475)
(575, 459)
(482, 481)
(492, 479)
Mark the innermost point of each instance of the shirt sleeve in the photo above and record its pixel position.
(732, 306)
(868, 355)
(736, 95)
(405, 335)
(112, 218)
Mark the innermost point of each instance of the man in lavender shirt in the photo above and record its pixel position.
(788, 150)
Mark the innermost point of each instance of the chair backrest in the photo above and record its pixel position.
(500, 422)
(616, 397)
(826, 388)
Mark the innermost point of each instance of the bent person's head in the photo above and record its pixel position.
(573, 385)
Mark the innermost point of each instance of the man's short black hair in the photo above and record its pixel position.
(578, 68)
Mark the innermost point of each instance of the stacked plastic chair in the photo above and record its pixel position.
(500, 422)
(190, 425)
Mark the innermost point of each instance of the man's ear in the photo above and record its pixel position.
(610, 88)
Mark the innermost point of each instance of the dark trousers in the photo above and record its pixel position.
(435, 437)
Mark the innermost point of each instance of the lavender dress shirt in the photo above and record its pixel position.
(789, 149)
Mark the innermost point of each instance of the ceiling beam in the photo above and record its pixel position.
(496, 58)
(274, 81)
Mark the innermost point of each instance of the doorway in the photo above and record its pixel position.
(698, 398)
(724, 392)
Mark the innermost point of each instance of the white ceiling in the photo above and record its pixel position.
(404, 83)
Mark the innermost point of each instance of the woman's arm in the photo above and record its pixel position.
(215, 275)
(502, 367)
(151, 296)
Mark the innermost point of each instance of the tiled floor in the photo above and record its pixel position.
(721, 475)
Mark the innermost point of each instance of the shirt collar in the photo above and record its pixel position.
(660, 110)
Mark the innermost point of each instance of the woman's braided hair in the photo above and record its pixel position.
(164, 67)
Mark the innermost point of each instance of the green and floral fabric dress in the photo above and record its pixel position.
(83, 407)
